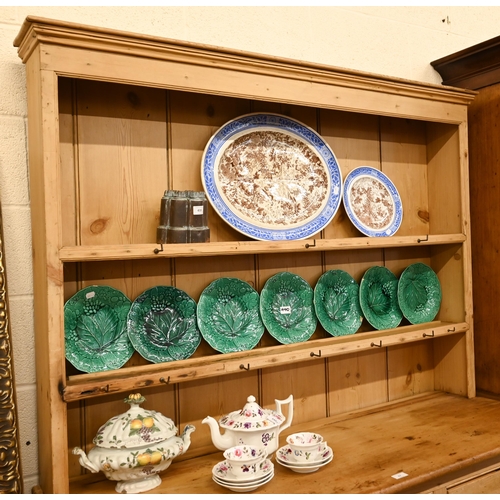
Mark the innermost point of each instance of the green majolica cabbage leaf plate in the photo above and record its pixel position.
(228, 315)
(95, 329)
(162, 324)
(419, 293)
(378, 297)
(336, 302)
(286, 307)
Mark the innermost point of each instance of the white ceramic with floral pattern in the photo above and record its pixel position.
(244, 460)
(252, 425)
(132, 448)
(306, 446)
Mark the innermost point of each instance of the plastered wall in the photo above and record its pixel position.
(395, 41)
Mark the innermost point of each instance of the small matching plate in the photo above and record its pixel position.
(372, 202)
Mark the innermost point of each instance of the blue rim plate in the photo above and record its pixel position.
(287, 309)
(271, 177)
(161, 324)
(372, 202)
(95, 329)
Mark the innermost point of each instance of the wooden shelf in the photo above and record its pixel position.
(139, 377)
(430, 438)
(151, 251)
(116, 119)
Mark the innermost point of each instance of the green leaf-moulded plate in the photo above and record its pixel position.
(419, 293)
(287, 309)
(336, 302)
(162, 324)
(378, 297)
(228, 315)
(95, 329)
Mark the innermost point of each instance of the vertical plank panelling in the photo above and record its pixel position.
(357, 381)
(69, 169)
(121, 143)
(213, 397)
(447, 263)
(445, 211)
(76, 437)
(354, 139)
(449, 355)
(404, 161)
(306, 382)
(194, 118)
(410, 369)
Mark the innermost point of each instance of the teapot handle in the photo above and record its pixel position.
(289, 401)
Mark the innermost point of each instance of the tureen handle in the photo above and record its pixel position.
(289, 401)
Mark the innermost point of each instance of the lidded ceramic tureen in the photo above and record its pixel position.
(252, 425)
(132, 448)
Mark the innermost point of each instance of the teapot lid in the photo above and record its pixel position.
(135, 427)
(251, 417)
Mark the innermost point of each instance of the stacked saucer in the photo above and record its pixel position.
(223, 476)
(284, 458)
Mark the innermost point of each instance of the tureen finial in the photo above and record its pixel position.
(251, 399)
(136, 398)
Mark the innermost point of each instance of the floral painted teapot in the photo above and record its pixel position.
(132, 448)
(252, 425)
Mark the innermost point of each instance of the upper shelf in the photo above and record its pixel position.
(149, 251)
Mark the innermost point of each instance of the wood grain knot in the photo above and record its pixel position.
(98, 226)
(423, 215)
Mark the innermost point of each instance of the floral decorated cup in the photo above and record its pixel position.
(244, 460)
(306, 446)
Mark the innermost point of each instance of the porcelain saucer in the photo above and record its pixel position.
(250, 482)
(305, 469)
(244, 487)
(223, 473)
(284, 455)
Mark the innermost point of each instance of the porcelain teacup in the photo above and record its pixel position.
(244, 460)
(306, 446)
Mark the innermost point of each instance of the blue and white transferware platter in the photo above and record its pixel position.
(271, 177)
(372, 202)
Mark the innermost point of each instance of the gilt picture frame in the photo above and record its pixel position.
(10, 462)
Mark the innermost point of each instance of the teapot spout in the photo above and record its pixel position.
(186, 435)
(84, 461)
(220, 441)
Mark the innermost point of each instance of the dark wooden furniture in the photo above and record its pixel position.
(478, 68)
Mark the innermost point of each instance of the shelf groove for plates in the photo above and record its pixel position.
(135, 378)
(152, 251)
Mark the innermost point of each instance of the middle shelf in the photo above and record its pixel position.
(135, 378)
